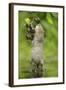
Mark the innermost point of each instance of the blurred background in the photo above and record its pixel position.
(49, 22)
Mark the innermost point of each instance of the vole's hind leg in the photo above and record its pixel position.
(34, 69)
(37, 69)
(40, 70)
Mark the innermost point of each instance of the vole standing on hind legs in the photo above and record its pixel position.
(37, 51)
(36, 34)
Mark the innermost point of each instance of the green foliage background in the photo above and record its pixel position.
(49, 21)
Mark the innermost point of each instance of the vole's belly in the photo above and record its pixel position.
(37, 54)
